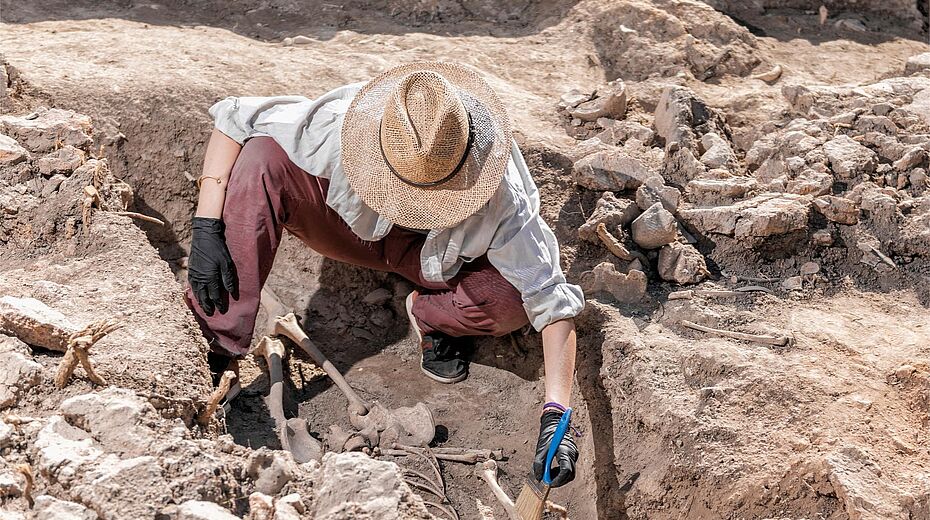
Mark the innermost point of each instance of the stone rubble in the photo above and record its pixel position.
(625, 288)
(681, 264)
(20, 372)
(654, 228)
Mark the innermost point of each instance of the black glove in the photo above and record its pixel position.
(210, 269)
(565, 456)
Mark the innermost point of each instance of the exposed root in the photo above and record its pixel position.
(140, 216)
(778, 341)
(91, 197)
(216, 397)
(79, 344)
(26, 471)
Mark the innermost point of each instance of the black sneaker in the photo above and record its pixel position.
(444, 358)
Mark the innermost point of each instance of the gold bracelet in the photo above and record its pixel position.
(202, 177)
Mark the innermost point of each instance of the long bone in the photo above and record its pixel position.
(292, 433)
(288, 326)
(488, 473)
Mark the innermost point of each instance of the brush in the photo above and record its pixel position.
(532, 500)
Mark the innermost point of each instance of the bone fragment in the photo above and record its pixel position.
(884, 258)
(771, 75)
(488, 473)
(779, 341)
(288, 326)
(613, 245)
(823, 14)
(79, 344)
(216, 397)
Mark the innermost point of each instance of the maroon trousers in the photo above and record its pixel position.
(268, 193)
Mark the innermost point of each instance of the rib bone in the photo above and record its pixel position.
(778, 341)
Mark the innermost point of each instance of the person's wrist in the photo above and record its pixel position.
(553, 406)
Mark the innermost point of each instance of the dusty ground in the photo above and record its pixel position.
(677, 424)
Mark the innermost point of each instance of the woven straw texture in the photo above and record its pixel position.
(424, 135)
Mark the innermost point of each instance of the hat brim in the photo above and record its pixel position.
(435, 207)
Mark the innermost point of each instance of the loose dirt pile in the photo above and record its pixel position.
(743, 197)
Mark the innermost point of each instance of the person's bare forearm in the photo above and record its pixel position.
(221, 155)
(559, 351)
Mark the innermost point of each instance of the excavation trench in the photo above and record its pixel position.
(495, 408)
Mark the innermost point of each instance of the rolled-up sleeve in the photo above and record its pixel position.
(526, 253)
(241, 117)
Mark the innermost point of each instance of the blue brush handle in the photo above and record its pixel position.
(554, 444)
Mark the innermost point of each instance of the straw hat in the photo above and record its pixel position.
(426, 144)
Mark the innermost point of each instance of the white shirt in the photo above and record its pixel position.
(508, 228)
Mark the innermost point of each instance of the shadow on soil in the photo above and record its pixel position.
(274, 19)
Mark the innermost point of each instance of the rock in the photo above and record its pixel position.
(382, 317)
(851, 24)
(792, 283)
(917, 63)
(918, 178)
(124, 488)
(261, 506)
(19, 373)
(6, 435)
(288, 507)
(47, 129)
(293, 500)
(904, 372)
(610, 170)
(810, 182)
(271, 470)
(822, 237)
(63, 451)
(849, 159)
(353, 485)
(776, 216)
(64, 160)
(682, 264)
(717, 152)
(11, 152)
(35, 323)
(680, 166)
(654, 191)
(678, 112)
(617, 132)
(912, 158)
(50, 508)
(625, 288)
(654, 228)
(377, 297)
(10, 481)
(610, 102)
(716, 191)
(200, 510)
(115, 418)
(837, 209)
(573, 98)
(612, 212)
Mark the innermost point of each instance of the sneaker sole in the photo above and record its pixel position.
(440, 379)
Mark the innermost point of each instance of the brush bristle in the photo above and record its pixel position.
(532, 501)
